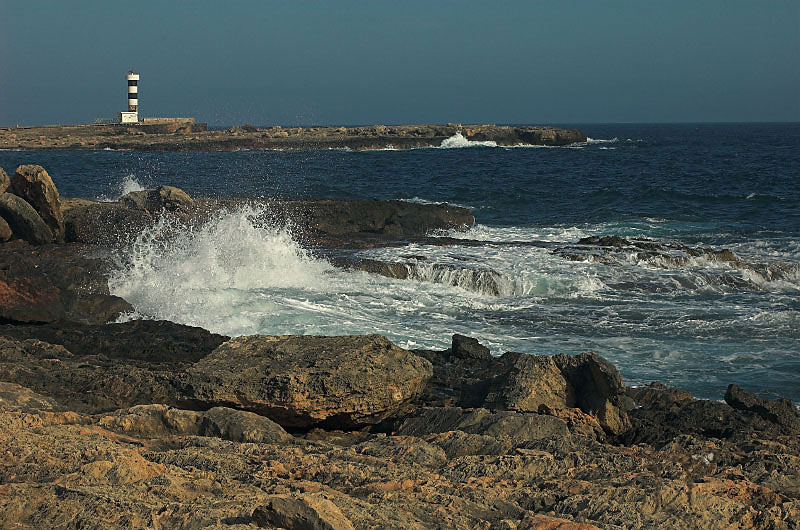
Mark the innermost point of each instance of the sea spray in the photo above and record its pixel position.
(205, 275)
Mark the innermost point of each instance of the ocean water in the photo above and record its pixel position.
(687, 319)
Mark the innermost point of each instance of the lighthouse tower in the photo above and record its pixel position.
(132, 116)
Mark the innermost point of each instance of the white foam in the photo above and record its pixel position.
(122, 187)
(458, 141)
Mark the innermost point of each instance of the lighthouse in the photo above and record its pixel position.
(132, 116)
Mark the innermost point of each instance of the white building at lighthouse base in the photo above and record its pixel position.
(128, 117)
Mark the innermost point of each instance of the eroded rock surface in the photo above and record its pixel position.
(302, 381)
(32, 183)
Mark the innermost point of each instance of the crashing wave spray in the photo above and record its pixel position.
(458, 140)
(200, 275)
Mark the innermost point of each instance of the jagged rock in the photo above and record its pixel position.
(23, 219)
(597, 388)
(302, 381)
(5, 231)
(663, 414)
(301, 512)
(781, 411)
(530, 383)
(526, 383)
(469, 348)
(32, 183)
(5, 182)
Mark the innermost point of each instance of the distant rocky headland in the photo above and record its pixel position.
(190, 136)
(154, 424)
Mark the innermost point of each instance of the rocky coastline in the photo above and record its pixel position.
(154, 424)
(196, 137)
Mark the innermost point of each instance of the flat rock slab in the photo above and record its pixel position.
(305, 381)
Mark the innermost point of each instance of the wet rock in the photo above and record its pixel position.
(32, 183)
(104, 223)
(23, 219)
(303, 381)
(79, 279)
(301, 512)
(27, 295)
(5, 182)
(781, 411)
(163, 197)
(5, 231)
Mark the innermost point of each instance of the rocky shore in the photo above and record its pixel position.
(197, 138)
(153, 424)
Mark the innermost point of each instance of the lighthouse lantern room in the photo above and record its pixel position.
(132, 115)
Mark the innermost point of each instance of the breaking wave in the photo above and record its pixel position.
(458, 141)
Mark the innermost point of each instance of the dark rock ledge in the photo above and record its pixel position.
(149, 424)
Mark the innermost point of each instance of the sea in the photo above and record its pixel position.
(680, 316)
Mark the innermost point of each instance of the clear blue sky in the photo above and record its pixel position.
(391, 62)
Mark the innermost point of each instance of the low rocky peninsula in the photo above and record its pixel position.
(196, 137)
(154, 424)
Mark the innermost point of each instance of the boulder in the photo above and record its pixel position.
(305, 381)
(5, 182)
(25, 223)
(780, 411)
(5, 231)
(32, 183)
(468, 348)
(526, 383)
(163, 197)
(596, 387)
(301, 512)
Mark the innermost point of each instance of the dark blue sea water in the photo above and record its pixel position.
(690, 321)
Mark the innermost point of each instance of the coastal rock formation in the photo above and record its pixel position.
(5, 182)
(304, 381)
(163, 197)
(62, 281)
(32, 183)
(467, 376)
(23, 220)
(174, 137)
(781, 411)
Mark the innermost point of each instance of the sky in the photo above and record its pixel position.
(389, 62)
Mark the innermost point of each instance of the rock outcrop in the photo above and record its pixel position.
(23, 219)
(467, 376)
(5, 182)
(32, 183)
(305, 381)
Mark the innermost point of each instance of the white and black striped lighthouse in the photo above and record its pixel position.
(133, 91)
(132, 116)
